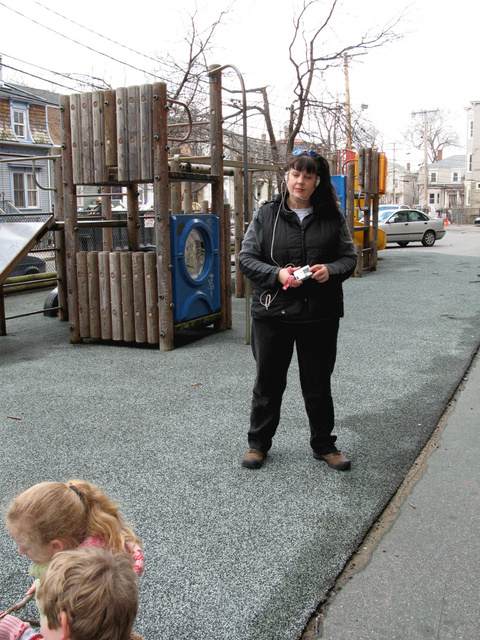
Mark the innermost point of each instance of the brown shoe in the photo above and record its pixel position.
(253, 459)
(334, 460)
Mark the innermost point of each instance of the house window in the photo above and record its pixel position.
(470, 129)
(455, 176)
(478, 185)
(431, 198)
(470, 162)
(20, 123)
(433, 176)
(25, 191)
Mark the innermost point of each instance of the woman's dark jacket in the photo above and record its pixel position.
(321, 238)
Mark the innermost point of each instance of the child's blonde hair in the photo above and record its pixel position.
(96, 589)
(71, 512)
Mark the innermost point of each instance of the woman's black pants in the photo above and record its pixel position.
(272, 346)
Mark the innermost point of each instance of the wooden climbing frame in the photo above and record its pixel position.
(120, 138)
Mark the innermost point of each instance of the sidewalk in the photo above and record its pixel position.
(422, 578)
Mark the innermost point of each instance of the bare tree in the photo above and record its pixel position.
(440, 134)
(311, 59)
(187, 76)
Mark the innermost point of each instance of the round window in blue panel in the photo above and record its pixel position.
(195, 253)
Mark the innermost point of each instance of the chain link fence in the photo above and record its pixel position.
(41, 258)
(94, 238)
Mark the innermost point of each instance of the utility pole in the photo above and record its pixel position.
(348, 113)
(425, 149)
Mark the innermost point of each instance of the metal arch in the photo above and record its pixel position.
(37, 182)
(189, 124)
(245, 147)
(245, 176)
(32, 159)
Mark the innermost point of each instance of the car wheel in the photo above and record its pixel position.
(428, 239)
(51, 301)
(402, 244)
(31, 271)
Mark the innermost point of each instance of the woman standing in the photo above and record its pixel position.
(300, 234)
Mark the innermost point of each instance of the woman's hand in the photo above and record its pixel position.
(285, 275)
(320, 272)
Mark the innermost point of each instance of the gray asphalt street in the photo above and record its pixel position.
(231, 552)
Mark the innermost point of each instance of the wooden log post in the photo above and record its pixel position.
(216, 152)
(87, 138)
(239, 209)
(368, 184)
(82, 284)
(116, 295)
(359, 265)
(375, 198)
(110, 127)
(3, 321)
(175, 187)
(139, 300)
(127, 296)
(70, 212)
(251, 199)
(60, 238)
(93, 294)
(99, 165)
(351, 198)
(107, 234)
(133, 218)
(151, 296)
(146, 142)
(121, 100)
(162, 217)
(227, 270)
(104, 295)
(187, 197)
(133, 133)
(75, 133)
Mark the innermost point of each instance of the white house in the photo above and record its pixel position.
(445, 183)
(401, 185)
(472, 168)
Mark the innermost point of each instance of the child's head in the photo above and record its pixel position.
(55, 516)
(89, 594)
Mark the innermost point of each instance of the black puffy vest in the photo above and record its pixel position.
(291, 243)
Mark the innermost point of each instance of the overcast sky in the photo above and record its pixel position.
(433, 66)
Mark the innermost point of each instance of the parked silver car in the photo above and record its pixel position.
(408, 225)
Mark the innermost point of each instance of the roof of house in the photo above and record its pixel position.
(21, 92)
(452, 162)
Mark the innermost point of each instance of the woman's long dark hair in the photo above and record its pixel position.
(324, 194)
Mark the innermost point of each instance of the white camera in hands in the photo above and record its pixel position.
(302, 274)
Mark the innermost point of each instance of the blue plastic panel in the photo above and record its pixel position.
(194, 245)
(340, 184)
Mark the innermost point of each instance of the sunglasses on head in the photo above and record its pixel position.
(299, 152)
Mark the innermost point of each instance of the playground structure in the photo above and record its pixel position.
(366, 175)
(122, 138)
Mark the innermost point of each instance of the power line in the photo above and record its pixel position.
(100, 35)
(127, 64)
(7, 66)
(163, 62)
(56, 73)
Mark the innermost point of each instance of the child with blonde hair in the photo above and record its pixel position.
(86, 594)
(54, 516)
